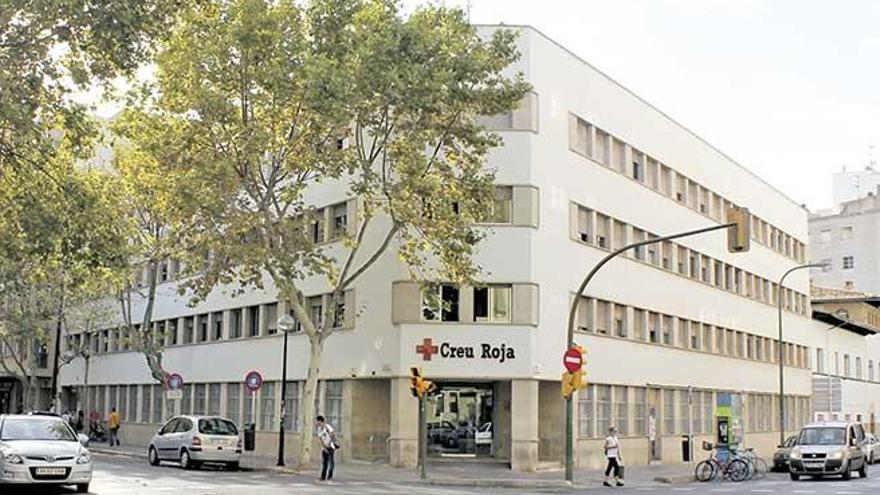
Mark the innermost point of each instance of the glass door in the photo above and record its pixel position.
(460, 421)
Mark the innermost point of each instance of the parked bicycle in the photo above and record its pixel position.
(732, 465)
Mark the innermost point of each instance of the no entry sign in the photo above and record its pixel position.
(253, 381)
(573, 360)
(175, 382)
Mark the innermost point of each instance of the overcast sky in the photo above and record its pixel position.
(789, 88)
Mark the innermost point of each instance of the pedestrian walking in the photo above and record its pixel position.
(329, 446)
(80, 421)
(612, 454)
(113, 424)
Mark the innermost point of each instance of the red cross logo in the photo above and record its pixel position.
(426, 349)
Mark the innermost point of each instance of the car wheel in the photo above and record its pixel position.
(233, 466)
(82, 488)
(185, 461)
(847, 473)
(154, 456)
(794, 476)
(863, 471)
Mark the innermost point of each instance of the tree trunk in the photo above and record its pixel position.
(307, 409)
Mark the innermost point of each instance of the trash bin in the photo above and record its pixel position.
(250, 437)
(686, 448)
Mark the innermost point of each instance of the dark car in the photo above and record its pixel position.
(780, 458)
(441, 432)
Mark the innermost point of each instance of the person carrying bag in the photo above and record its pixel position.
(615, 462)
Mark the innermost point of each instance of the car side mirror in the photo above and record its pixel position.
(83, 439)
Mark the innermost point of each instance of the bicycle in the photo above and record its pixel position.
(733, 467)
(758, 467)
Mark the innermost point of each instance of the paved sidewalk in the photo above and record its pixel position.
(454, 473)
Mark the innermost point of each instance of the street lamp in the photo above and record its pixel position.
(286, 324)
(843, 316)
(779, 353)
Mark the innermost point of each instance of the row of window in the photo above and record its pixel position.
(600, 146)
(243, 322)
(491, 303)
(644, 325)
(674, 411)
(604, 232)
(852, 366)
(846, 233)
(148, 404)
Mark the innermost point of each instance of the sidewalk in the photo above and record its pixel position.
(451, 473)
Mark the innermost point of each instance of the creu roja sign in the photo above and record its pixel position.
(497, 352)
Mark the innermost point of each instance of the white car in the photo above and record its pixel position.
(43, 450)
(194, 440)
(872, 450)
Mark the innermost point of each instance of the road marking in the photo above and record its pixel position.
(803, 491)
(848, 493)
(761, 490)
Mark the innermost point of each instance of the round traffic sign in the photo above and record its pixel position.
(253, 381)
(175, 382)
(572, 360)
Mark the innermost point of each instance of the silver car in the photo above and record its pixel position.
(827, 449)
(43, 450)
(873, 448)
(194, 440)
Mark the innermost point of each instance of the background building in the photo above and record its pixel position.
(849, 185)
(847, 240)
(587, 167)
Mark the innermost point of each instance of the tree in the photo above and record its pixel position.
(280, 96)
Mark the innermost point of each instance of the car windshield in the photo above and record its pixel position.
(217, 426)
(36, 429)
(822, 436)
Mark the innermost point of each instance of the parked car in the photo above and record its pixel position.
(873, 448)
(195, 440)
(780, 458)
(828, 449)
(441, 432)
(43, 450)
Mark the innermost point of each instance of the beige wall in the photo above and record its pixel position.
(551, 423)
(370, 421)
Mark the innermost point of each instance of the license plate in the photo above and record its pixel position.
(46, 471)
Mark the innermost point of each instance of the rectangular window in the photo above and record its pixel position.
(272, 318)
(669, 412)
(585, 225)
(291, 407)
(253, 321)
(492, 303)
(131, 415)
(333, 403)
(654, 328)
(846, 366)
(603, 408)
(639, 322)
(317, 227)
(620, 321)
(668, 330)
(684, 411)
(123, 402)
(683, 332)
(267, 406)
(708, 409)
(146, 402)
(603, 229)
(316, 310)
(502, 207)
(870, 370)
(602, 317)
(667, 250)
(233, 402)
(585, 314)
(697, 412)
(641, 414)
(587, 412)
(217, 330)
(340, 221)
(848, 263)
(203, 328)
(235, 323)
(214, 399)
(720, 339)
(621, 410)
(820, 360)
(250, 403)
(186, 402)
(440, 303)
(201, 396)
(156, 416)
(846, 232)
(858, 368)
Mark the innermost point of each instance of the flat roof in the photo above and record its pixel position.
(646, 102)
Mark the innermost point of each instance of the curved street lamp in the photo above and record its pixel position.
(287, 325)
(779, 352)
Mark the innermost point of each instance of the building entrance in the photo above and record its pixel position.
(460, 420)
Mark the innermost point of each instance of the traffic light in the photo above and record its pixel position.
(572, 382)
(419, 386)
(740, 233)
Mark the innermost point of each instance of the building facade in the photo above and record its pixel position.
(850, 185)
(587, 167)
(846, 242)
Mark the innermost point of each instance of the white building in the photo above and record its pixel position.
(587, 166)
(849, 185)
(846, 242)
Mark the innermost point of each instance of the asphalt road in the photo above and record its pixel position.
(124, 476)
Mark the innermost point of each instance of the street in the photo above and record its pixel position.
(119, 475)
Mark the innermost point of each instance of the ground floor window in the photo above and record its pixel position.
(333, 403)
(291, 406)
(267, 406)
(587, 412)
(233, 402)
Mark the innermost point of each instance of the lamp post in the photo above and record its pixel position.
(843, 316)
(286, 324)
(779, 351)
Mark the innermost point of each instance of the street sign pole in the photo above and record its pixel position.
(423, 437)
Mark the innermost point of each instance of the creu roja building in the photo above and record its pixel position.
(586, 167)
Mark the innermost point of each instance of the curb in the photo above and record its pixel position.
(117, 453)
(675, 480)
(499, 483)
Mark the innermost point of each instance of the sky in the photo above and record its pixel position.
(790, 89)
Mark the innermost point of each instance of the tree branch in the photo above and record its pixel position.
(372, 259)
